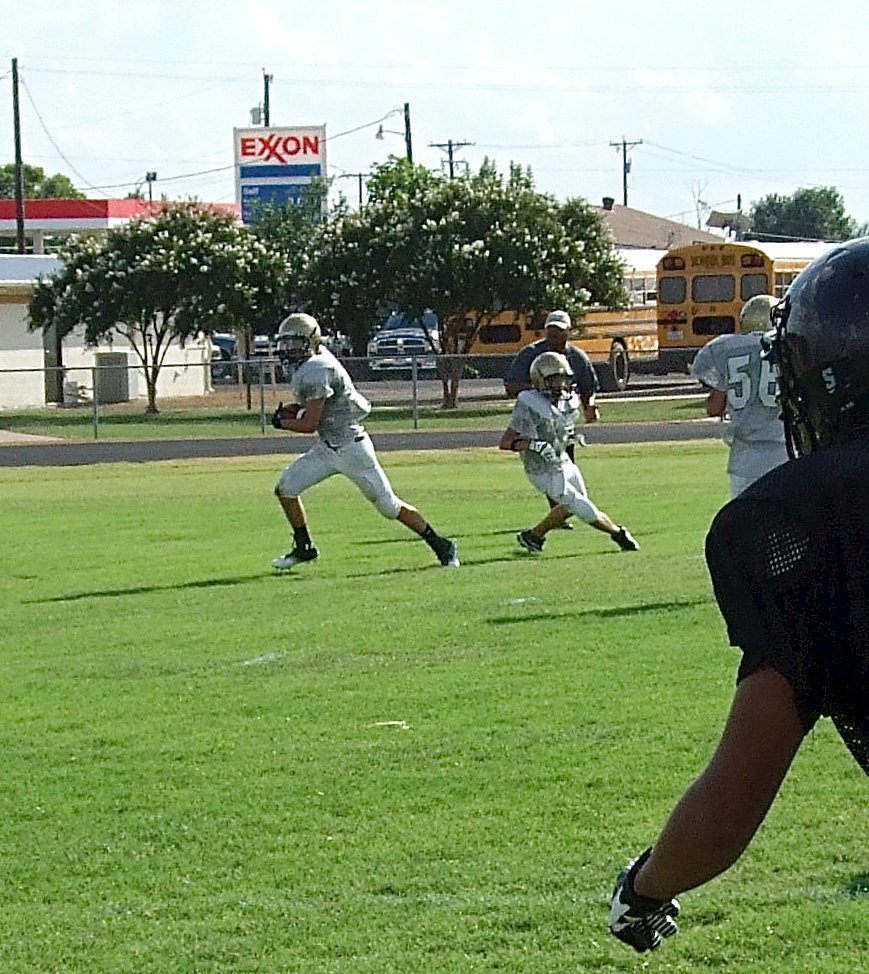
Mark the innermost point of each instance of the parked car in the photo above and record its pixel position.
(396, 344)
(222, 357)
(226, 353)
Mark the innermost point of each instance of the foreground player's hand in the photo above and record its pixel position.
(544, 450)
(639, 921)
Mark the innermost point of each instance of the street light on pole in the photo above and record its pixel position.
(408, 143)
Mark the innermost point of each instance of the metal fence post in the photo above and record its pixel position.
(414, 382)
(96, 410)
(262, 398)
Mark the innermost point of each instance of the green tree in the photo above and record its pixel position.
(809, 214)
(36, 184)
(467, 248)
(188, 270)
(290, 229)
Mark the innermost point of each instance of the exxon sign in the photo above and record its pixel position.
(274, 165)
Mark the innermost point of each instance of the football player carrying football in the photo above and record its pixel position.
(541, 427)
(789, 566)
(328, 404)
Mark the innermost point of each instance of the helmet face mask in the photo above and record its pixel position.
(551, 374)
(298, 338)
(820, 350)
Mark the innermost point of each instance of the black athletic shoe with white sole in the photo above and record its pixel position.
(296, 556)
(625, 540)
(448, 554)
(530, 541)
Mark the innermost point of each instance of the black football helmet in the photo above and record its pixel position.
(820, 349)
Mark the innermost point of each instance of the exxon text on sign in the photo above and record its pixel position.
(273, 166)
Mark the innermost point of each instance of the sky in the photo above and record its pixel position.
(722, 102)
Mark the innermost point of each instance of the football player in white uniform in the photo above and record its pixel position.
(744, 391)
(328, 404)
(541, 427)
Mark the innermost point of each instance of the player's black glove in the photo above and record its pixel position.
(639, 921)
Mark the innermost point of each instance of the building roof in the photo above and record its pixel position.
(634, 228)
(73, 216)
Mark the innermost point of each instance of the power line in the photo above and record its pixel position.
(51, 139)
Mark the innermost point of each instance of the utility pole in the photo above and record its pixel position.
(360, 176)
(267, 80)
(408, 145)
(450, 148)
(19, 165)
(623, 146)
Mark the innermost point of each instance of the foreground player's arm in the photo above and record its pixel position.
(716, 818)
(307, 419)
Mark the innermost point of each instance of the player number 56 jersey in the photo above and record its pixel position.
(733, 364)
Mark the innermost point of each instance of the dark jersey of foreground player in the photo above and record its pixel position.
(789, 561)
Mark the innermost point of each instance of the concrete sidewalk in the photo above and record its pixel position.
(8, 436)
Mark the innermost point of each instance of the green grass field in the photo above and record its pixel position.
(374, 764)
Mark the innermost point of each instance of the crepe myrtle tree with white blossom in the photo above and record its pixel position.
(468, 249)
(187, 270)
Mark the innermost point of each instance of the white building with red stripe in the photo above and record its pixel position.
(33, 371)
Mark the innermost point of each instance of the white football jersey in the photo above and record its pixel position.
(322, 376)
(733, 364)
(535, 417)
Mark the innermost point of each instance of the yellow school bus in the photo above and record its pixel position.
(701, 290)
(616, 341)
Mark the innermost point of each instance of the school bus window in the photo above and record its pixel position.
(672, 290)
(713, 287)
(499, 334)
(714, 325)
(783, 280)
(753, 284)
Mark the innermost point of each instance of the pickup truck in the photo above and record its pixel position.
(398, 341)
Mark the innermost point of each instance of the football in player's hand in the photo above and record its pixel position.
(288, 411)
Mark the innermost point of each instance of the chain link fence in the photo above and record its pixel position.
(258, 383)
